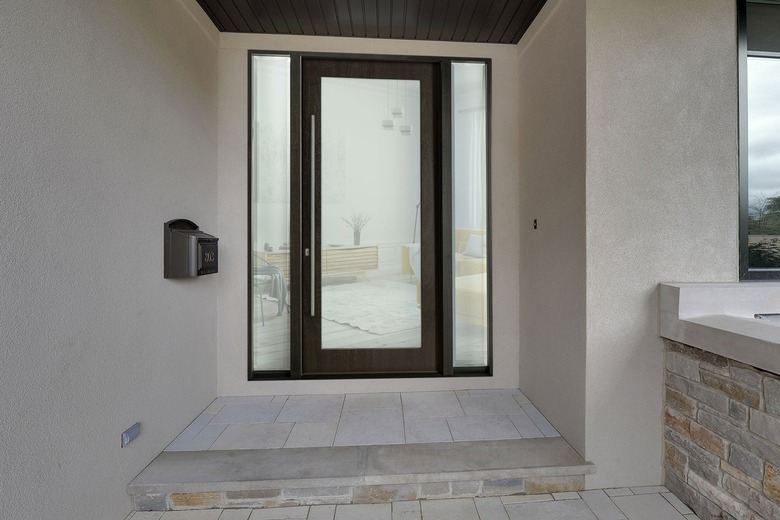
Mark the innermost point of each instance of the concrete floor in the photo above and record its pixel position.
(648, 503)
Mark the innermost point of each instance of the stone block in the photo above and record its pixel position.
(150, 502)
(680, 402)
(691, 448)
(538, 485)
(772, 483)
(710, 473)
(506, 486)
(736, 487)
(697, 354)
(734, 390)
(765, 425)
(677, 421)
(772, 395)
(683, 366)
(253, 494)
(739, 412)
(469, 488)
(384, 494)
(435, 490)
(709, 396)
(764, 507)
(676, 382)
(205, 500)
(747, 462)
(744, 374)
(318, 496)
(739, 475)
(675, 460)
(709, 440)
(704, 508)
(727, 429)
(731, 505)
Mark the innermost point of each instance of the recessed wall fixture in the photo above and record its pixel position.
(397, 111)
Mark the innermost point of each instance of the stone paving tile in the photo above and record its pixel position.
(427, 429)
(280, 513)
(363, 512)
(558, 510)
(521, 499)
(312, 435)
(145, 515)
(567, 495)
(407, 510)
(490, 404)
(677, 503)
(601, 505)
(209, 514)
(490, 509)
(452, 509)
(202, 441)
(482, 428)
(369, 427)
(496, 391)
(525, 426)
(619, 492)
(312, 408)
(647, 490)
(647, 507)
(372, 401)
(235, 514)
(240, 413)
(541, 422)
(431, 404)
(252, 436)
(321, 513)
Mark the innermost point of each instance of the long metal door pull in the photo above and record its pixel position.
(313, 214)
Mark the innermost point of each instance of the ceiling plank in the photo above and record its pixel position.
(424, 19)
(499, 28)
(235, 15)
(302, 15)
(454, 10)
(437, 20)
(341, 8)
(250, 17)
(275, 17)
(205, 6)
(466, 19)
(358, 18)
(216, 8)
(412, 15)
(521, 16)
(328, 9)
(398, 21)
(529, 19)
(384, 18)
(289, 16)
(370, 14)
(314, 11)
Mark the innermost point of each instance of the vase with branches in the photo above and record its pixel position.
(357, 222)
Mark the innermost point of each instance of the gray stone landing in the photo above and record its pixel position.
(178, 480)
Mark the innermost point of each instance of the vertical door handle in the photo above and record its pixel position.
(313, 263)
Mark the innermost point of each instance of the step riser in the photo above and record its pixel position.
(360, 494)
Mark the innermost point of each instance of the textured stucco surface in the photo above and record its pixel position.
(107, 129)
(233, 211)
(552, 191)
(662, 204)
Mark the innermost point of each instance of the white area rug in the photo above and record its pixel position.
(380, 307)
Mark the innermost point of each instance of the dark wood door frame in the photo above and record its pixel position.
(429, 359)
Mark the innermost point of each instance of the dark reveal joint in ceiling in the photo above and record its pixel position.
(489, 21)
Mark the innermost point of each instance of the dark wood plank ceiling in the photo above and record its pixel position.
(489, 21)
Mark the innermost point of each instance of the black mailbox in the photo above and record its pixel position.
(188, 251)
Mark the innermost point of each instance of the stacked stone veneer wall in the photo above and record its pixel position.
(722, 435)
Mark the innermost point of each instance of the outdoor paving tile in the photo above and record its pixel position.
(521, 398)
(208, 514)
(191, 431)
(372, 401)
(431, 404)
(145, 515)
(481, 428)
(252, 436)
(677, 503)
(321, 513)
(601, 505)
(242, 413)
(495, 391)
(647, 507)
(490, 509)
(280, 513)
(363, 512)
(312, 435)
(647, 490)
(521, 499)
(450, 509)
(202, 440)
(369, 427)
(249, 399)
(619, 492)
(235, 514)
(566, 495)
(433, 429)
(557, 509)
(312, 408)
(541, 422)
(490, 404)
(214, 407)
(525, 425)
(407, 510)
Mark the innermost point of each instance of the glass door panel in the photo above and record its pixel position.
(370, 194)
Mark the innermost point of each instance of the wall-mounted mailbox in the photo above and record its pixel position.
(188, 251)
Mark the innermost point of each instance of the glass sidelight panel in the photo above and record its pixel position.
(470, 215)
(370, 257)
(270, 213)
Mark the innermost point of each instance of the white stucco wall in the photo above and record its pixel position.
(107, 129)
(233, 211)
(552, 191)
(662, 204)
